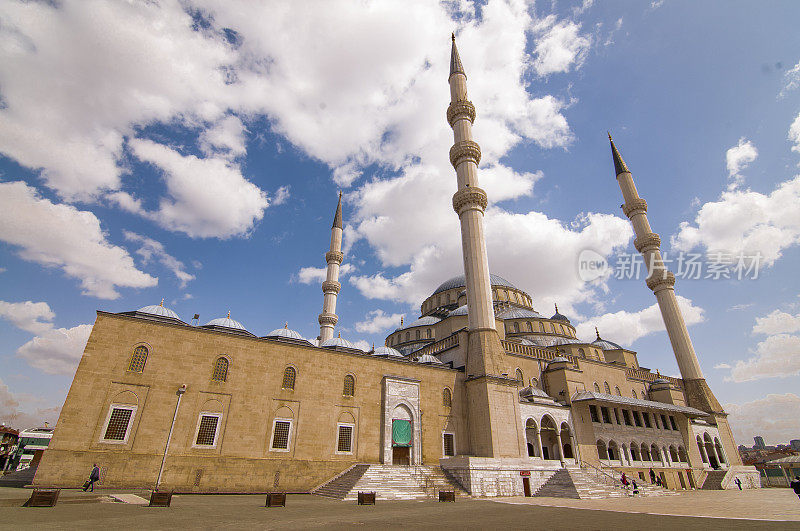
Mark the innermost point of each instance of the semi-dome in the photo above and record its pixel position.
(519, 313)
(460, 282)
(427, 358)
(286, 333)
(422, 321)
(335, 342)
(558, 317)
(389, 352)
(160, 310)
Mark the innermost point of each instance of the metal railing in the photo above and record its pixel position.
(605, 477)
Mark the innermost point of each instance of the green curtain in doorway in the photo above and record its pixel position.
(401, 432)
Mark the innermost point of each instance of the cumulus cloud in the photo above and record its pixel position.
(316, 275)
(794, 134)
(61, 236)
(746, 222)
(53, 350)
(738, 158)
(282, 195)
(774, 417)
(226, 138)
(13, 413)
(791, 79)
(151, 249)
(777, 322)
(377, 321)
(625, 327)
(722, 366)
(778, 356)
(559, 45)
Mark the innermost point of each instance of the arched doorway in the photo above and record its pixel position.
(532, 438)
(613, 452)
(602, 451)
(720, 453)
(402, 436)
(710, 451)
(566, 441)
(549, 436)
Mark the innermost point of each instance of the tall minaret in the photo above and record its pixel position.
(469, 201)
(662, 282)
(488, 387)
(331, 286)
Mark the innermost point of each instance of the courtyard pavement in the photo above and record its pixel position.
(76, 509)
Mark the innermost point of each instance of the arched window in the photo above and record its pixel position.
(534, 382)
(220, 373)
(581, 353)
(289, 376)
(349, 385)
(417, 334)
(428, 333)
(530, 327)
(408, 336)
(562, 329)
(616, 390)
(516, 328)
(447, 398)
(138, 359)
(519, 377)
(607, 388)
(596, 387)
(633, 392)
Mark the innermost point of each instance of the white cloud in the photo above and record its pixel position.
(655, 4)
(316, 275)
(282, 194)
(777, 322)
(625, 327)
(748, 222)
(226, 138)
(363, 345)
(56, 351)
(11, 414)
(579, 10)
(794, 134)
(778, 356)
(792, 80)
(738, 158)
(559, 46)
(30, 316)
(722, 366)
(377, 321)
(207, 197)
(774, 417)
(57, 235)
(152, 249)
(744, 306)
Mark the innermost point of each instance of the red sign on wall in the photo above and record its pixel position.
(525, 473)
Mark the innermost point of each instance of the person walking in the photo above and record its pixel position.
(738, 482)
(635, 487)
(623, 479)
(796, 485)
(652, 477)
(93, 476)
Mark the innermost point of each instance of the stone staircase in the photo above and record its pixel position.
(714, 480)
(388, 482)
(583, 484)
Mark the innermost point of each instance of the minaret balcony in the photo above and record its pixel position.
(648, 242)
(331, 286)
(634, 207)
(328, 319)
(469, 198)
(334, 256)
(466, 150)
(661, 280)
(460, 109)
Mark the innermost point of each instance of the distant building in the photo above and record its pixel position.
(795, 444)
(759, 442)
(8, 439)
(31, 445)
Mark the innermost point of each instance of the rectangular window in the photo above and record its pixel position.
(118, 423)
(593, 413)
(449, 442)
(637, 419)
(646, 417)
(627, 416)
(606, 417)
(281, 433)
(345, 442)
(664, 422)
(672, 423)
(207, 430)
(616, 416)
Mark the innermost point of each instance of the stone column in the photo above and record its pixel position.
(560, 447)
(716, 456)
(704, 454)
(539, 443)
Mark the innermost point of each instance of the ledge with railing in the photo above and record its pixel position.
(534, 352)
(437, 347)
(647, 376)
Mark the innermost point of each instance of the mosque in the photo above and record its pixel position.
(481, 393)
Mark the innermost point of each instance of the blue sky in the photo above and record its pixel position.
(193, 152)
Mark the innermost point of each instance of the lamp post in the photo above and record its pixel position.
(181, 390)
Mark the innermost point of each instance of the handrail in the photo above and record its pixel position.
(534, 352)
(609, 479)
(647, 376)
(439, 346)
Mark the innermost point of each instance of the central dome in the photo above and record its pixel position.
(461, 282)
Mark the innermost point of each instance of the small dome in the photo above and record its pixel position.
(660, 381)
(604, 344)
(338, 342)
(460, 282)
(461, 310)
(558, 317)
(518, 313)
(559, 359)
(226, 322)
(159, 310)
(285, 333)
(422, 321)
(427, 358)
(387, 351)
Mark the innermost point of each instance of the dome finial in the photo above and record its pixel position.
(453, 36)
(162, 302)
(340, 335)
(556, 305)
(286, 325)
(597, 332)
(229, 314)
(401, 320)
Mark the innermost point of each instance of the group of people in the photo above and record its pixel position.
(654, 479)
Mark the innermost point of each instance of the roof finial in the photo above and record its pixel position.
(453, 36)
(229, 314)
(597, 332)
(619, 164)
(162, 302)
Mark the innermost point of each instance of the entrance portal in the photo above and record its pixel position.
(401, 455)
(402, 439)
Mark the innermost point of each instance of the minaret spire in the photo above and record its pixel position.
(331, 286)
(455, 61)
(619, 164)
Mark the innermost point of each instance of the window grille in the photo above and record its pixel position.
(616, 390)
(345, 443)
(220, 373)
(596, 387)
(447, 398)
(607, 388)
(449, 445)
(349, 386)
(207, 432)
(288, 378)
(280, 435)
(138, 359)
(118, 424)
